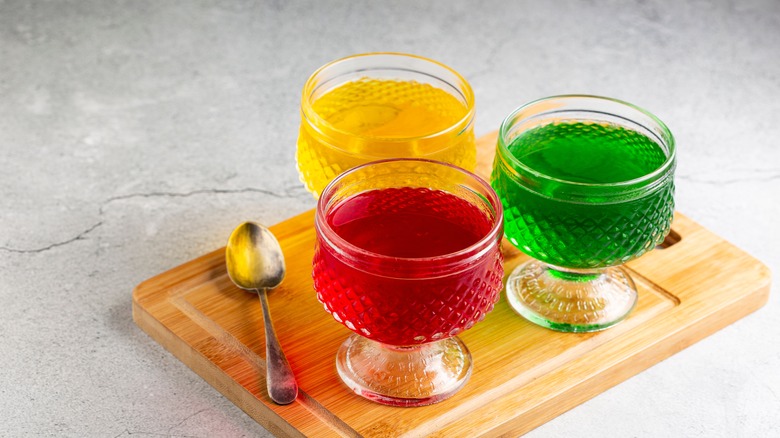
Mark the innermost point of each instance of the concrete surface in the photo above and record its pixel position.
(135, 134)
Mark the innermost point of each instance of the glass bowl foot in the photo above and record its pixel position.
(571, 300)
(415, 375)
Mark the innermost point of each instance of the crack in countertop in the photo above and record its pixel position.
(81, 236)
(290, 192)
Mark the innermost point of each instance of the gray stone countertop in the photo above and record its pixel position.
(134, 135)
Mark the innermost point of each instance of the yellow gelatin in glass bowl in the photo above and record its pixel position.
(369, 118)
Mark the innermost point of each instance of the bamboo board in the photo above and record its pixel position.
(523, 375)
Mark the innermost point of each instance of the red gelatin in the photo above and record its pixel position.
(409, 266)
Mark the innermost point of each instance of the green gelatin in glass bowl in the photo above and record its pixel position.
(584, 189)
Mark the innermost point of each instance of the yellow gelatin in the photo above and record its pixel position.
(373, 119)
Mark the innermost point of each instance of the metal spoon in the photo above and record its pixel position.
(255, 262)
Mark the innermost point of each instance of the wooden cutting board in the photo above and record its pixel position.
(523, 375)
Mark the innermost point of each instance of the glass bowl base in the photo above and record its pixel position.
(416, 375)
(570, 300)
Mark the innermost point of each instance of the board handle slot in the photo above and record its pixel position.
(671, 239)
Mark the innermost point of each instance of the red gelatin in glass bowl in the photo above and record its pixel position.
(414, 273)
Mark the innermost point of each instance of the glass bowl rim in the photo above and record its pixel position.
(462, 256)
(309, 113)
(665, 167)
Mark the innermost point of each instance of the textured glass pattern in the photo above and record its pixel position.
(407, 312)
(367, 120)
(584, 236)
(398, 306)
(604, 225)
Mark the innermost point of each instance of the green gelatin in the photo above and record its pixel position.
(575, 201)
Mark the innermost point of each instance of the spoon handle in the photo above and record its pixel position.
(279, 376)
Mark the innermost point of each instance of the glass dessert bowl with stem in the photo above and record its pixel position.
(407, 256)
(587, 184)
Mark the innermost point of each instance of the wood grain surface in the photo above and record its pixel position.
(523, 375)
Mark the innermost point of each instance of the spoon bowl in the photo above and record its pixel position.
(255, 262)
(254, 258)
